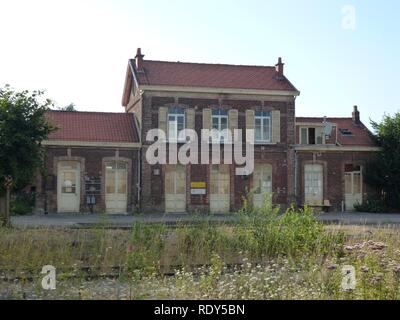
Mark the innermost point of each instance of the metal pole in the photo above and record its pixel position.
(8, 222)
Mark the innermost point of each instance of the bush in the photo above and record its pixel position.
(372, 206)
(294, 233)
(23, 203)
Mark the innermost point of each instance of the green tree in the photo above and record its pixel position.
(23, 127)
(69, 108)
(384, 171)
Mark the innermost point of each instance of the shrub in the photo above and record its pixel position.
(22, 203)
(295, 233)
(373, 206)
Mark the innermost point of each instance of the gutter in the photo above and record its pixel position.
(139, 164)
(334, 148)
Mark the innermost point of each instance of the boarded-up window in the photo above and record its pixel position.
(220, 179)
(175, 176)
(262, 179)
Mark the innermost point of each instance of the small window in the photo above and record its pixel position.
(262, 179)
(176, 123)
(68, 182)
(262, 126)
(68, 165)
(352, 168)
(345, 132)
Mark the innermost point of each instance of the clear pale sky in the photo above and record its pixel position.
(78, 50)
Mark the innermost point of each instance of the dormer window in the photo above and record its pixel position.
(176, 123)
(311, 135)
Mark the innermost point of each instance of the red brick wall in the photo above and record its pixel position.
(91, 160)
(277, 155)
(333, 163)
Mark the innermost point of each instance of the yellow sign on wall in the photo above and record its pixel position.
(198, 185)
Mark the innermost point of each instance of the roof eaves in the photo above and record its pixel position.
(170, 88)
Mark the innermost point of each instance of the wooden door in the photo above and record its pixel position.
(220, 189)
(68, 186)
(313, 184)
(116, 185)
(175, 188)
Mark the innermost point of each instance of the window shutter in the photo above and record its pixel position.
(276, 126)
(250, 119)
(207, 119)
(319, 136)
(162, 119)
(190, 118)
(233, 121)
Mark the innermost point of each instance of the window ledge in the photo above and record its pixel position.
(255, 143)
(261, 143)
(220, 142)
(176, 141)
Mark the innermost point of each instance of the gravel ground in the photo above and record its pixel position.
(126, 221)
(67, 290)
(116, 221)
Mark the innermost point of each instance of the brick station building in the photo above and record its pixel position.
(90, 159)
(315, 161)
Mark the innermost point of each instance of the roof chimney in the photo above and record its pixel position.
(279, 68)
(356, 116)
(139, 59)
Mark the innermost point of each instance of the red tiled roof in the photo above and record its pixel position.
(211, 76)
(93, 126)
(360, 136)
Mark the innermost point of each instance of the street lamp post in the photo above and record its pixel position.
(7, 184)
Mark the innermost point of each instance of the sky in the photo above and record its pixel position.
(338, 53)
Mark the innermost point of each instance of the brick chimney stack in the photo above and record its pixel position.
(139, 59)
(279, 68)
(356, 116)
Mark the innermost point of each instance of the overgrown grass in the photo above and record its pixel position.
(266, 233)
(263, 255)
